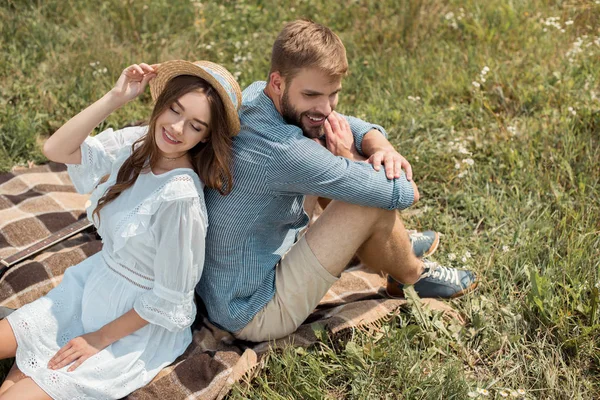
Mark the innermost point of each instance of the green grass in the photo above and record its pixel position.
(526, 210)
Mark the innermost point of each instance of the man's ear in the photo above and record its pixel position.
(277, 83)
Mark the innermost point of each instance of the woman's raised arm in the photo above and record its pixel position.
(64, 145)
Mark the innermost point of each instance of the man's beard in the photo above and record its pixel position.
(293, 117)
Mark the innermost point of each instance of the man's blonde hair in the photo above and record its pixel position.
(306, 44)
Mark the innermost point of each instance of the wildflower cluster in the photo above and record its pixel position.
(414, 99)
(582, 45)
(97, 69)
(482, 75)
(512, 129)
(479, 392)
(453, 19)
(459, 146)
(240, 59)
(464, 258)
(552, 22)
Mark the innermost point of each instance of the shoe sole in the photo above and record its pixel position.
(454, 296)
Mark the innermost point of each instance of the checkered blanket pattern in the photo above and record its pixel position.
(37, 201)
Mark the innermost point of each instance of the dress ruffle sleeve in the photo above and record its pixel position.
(98, 153)
(179, 228)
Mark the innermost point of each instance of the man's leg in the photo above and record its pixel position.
(423, 244)
(311, 266)
(379, 238)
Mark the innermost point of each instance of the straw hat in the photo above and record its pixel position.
(216, 75)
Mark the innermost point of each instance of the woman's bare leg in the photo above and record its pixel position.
(14, 376)
(8, 349)
(8, 343)
(25, 389)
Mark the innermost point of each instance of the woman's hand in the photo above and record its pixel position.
(77, 351)
(133, 81)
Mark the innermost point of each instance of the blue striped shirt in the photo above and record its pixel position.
(256, 224)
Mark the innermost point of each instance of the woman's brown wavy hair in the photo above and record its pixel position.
(210, 160)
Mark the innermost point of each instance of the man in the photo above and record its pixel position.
(262, 278)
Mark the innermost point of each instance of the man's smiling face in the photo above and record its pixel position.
(308, 99)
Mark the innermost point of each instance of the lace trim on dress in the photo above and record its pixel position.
(137, 221)
(178, 319)
(128, 279)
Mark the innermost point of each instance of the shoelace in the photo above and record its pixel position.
(440, 272)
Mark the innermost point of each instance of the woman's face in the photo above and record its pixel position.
(183, 125)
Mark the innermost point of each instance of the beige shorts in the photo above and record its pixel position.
(300, 284)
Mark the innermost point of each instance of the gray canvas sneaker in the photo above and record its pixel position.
(437, 281)
(424, 243)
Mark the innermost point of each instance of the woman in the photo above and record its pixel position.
(120, 316)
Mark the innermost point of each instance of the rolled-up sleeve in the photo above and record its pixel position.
(360, 128)
(306, 167)
(180, 240)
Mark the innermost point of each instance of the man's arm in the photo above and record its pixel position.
(305, 167)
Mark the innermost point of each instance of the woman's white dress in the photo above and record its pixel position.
(151, 260)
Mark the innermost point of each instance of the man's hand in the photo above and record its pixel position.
(393, 161)
(339, 139)
(77, 351)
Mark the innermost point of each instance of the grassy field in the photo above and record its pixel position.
(496, 104)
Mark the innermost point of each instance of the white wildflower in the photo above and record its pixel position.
(462, 174)
(569, 22)
(505, 249)
(457, 166)
(208, 47)
(467, 254)
(483, 392)
(476, 84)
(521, 391)
(463, 259)
(468, 161)
(503, 393)
(463, 150)
(451, 256)
(514, 393)
(473, 395)
(572, 111)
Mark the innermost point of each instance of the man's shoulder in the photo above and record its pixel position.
(258, 116)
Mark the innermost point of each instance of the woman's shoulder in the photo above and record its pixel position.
(179, 183)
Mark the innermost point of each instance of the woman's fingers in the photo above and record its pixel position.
(146, 67)
(60, 354)
(67, 360)
(77, 363)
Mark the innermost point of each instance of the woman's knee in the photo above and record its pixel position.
(8, 342)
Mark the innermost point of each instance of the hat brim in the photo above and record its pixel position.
(170, 69)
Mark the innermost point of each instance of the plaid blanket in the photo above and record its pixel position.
(37, 201)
